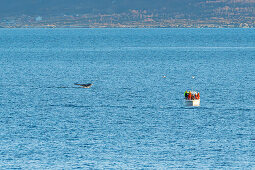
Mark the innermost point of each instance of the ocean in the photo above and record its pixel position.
(133, 116)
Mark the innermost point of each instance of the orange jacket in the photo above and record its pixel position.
(189, 96)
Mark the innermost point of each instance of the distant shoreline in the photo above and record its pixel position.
(127, 27)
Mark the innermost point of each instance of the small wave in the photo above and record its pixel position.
(63, 87)
(70, 105)
(113, 106)
(69, 87)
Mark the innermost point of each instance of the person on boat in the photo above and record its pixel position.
(192, 97)
(198, 95)
(189, 95)
(186, 94)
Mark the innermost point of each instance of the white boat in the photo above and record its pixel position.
(192, 102)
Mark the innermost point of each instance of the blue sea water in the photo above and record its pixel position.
(132, 117)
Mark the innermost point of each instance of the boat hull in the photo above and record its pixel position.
(192, 102)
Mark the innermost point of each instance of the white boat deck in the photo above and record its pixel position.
(192, 102)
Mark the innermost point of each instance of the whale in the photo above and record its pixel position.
(88, 85)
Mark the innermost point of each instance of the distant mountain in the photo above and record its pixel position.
(55, 7)
(127, 13)
(59, 7)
